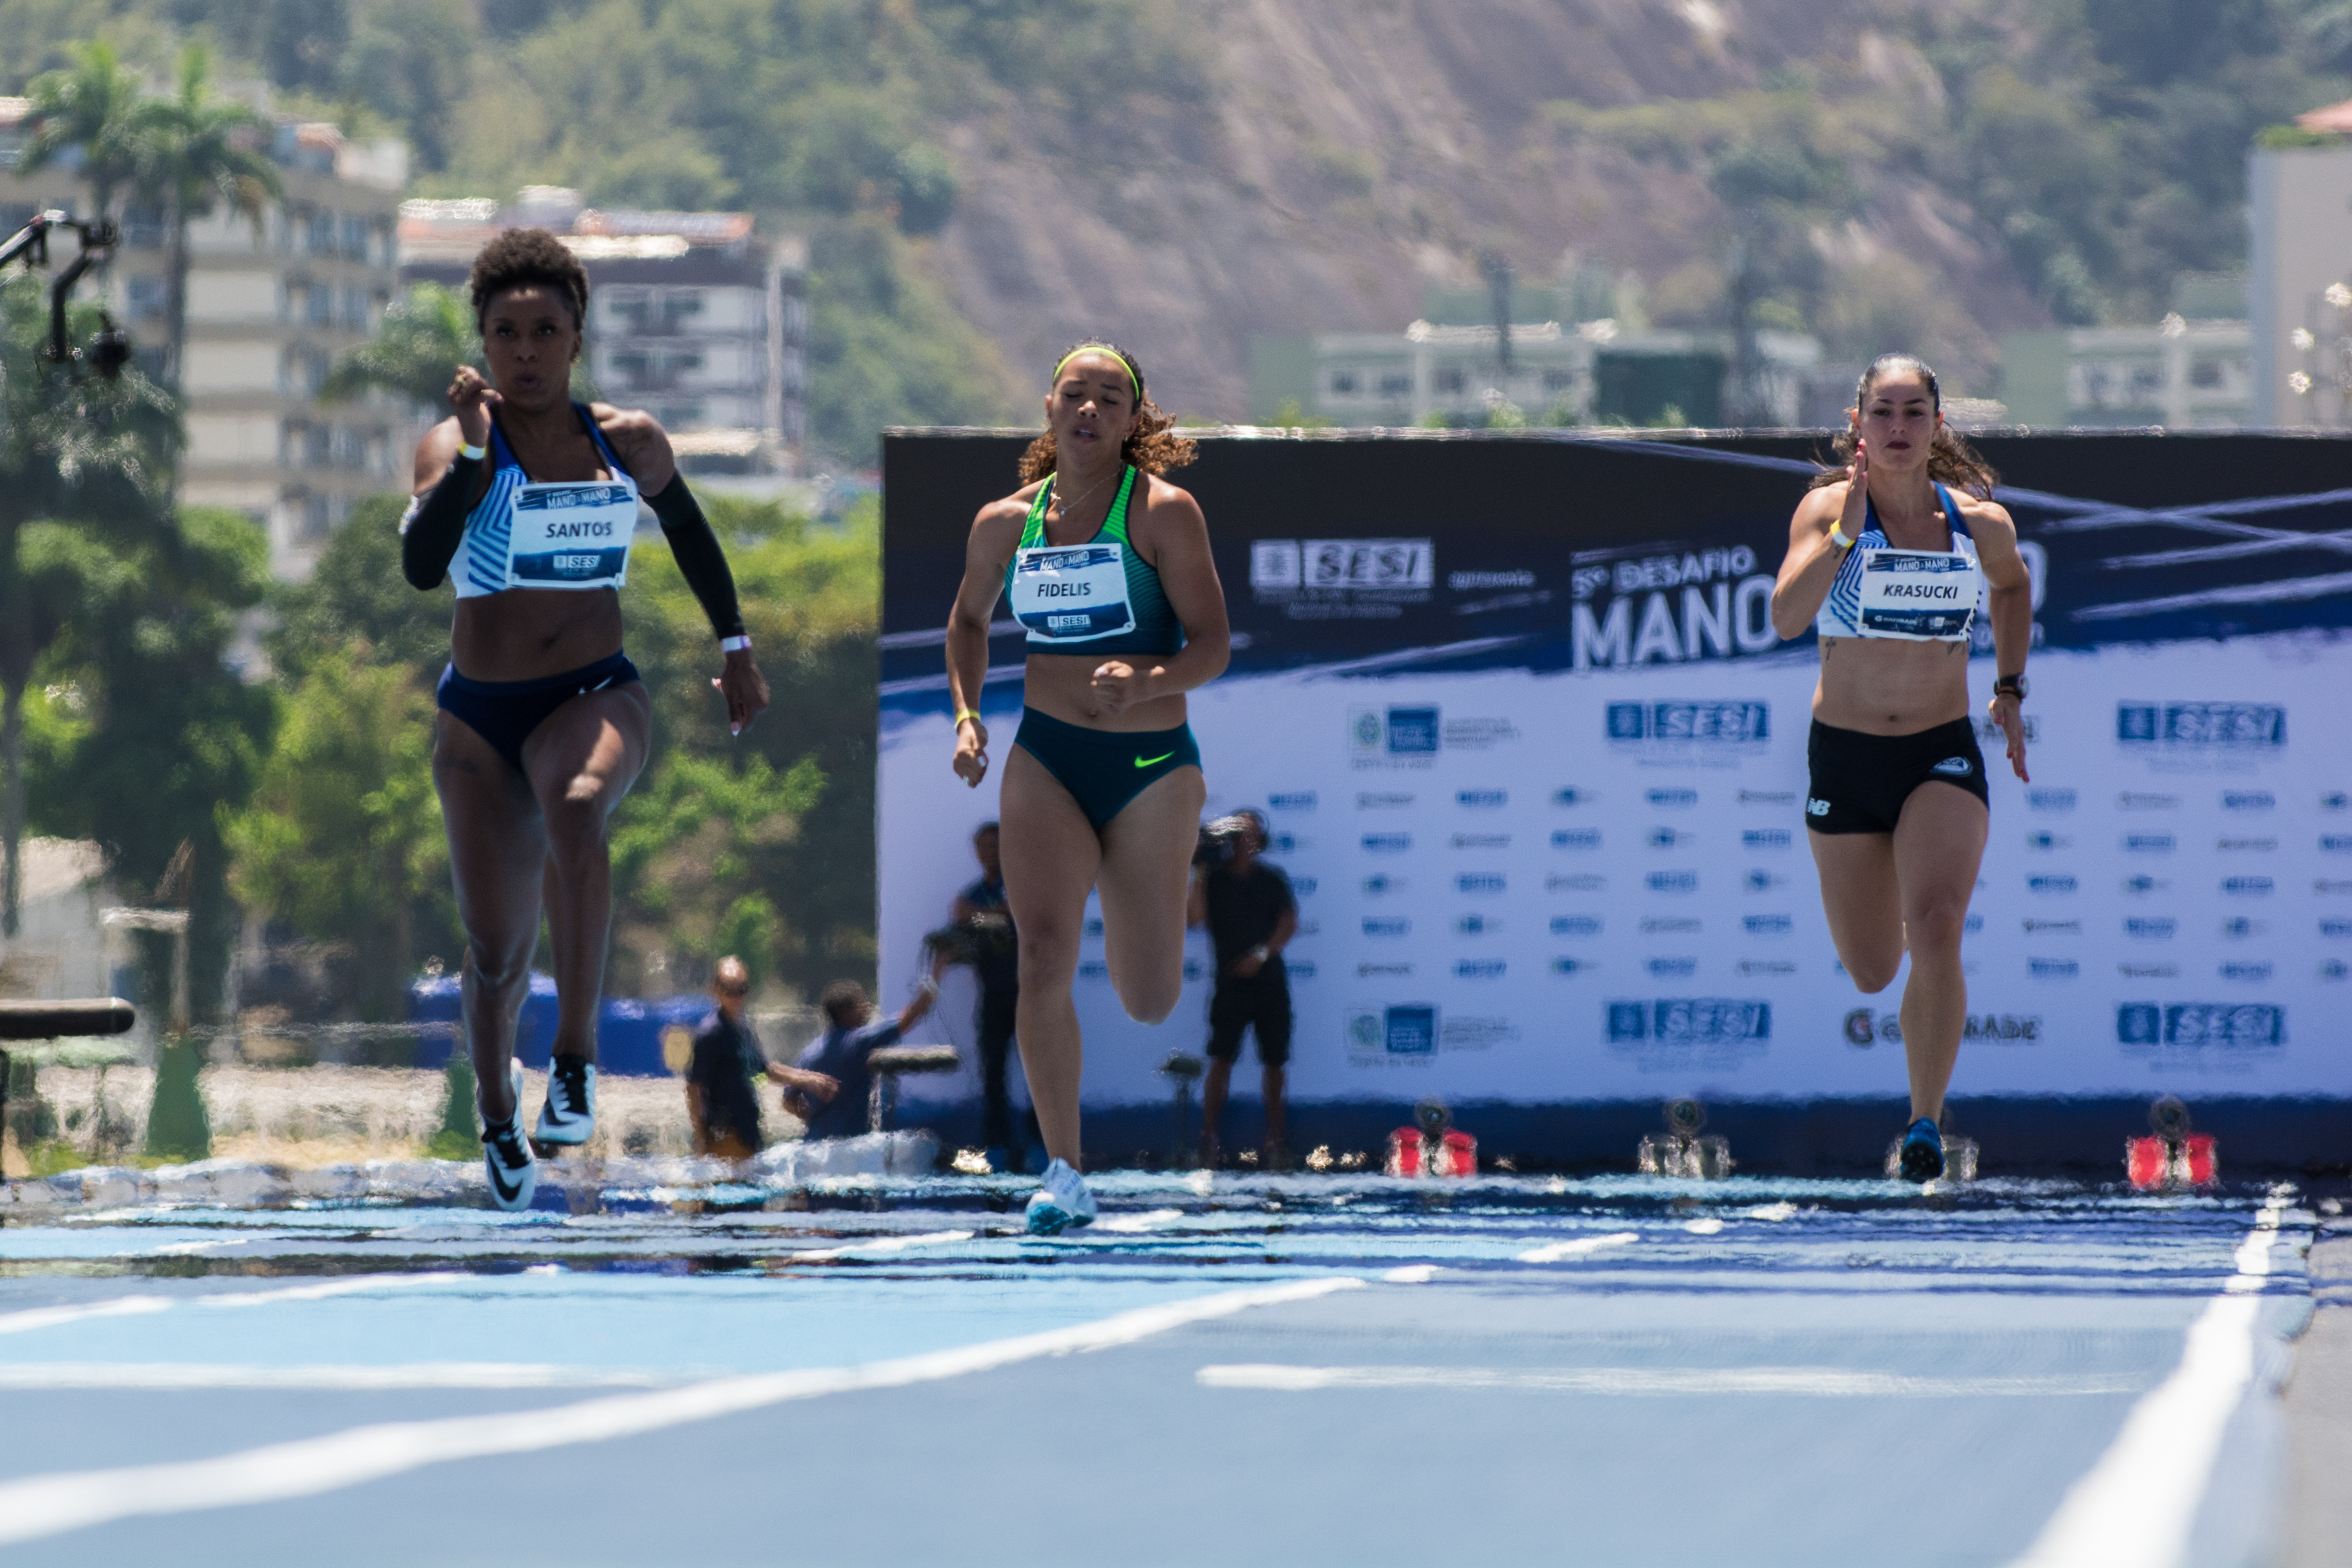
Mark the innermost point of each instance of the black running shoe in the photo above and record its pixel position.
(1922, 1151)
(569, 1114)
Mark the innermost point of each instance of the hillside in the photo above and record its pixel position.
(983, 181)
(1903, 176)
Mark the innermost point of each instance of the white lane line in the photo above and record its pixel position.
(50, 1317)
(1582, 1247)
(1831, 1381)
(2138, 1503)
(168, 1377)
(1411, 1274)
(48, 1505)
(129, 1306)
(1710, 1225)
(870, 1249)
(1135, 1224)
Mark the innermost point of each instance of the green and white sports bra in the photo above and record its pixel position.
(1100, 597)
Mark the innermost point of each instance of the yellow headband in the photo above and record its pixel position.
(1100, 348)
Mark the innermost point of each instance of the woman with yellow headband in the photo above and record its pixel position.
(1107, 566)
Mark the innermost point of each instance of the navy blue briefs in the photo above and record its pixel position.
(504, 713)
(1103, 769)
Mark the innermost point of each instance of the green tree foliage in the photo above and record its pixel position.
(357, 605)
(83, 470)
(426, 335)
(89, 108)
(341, 839)
(168, 734)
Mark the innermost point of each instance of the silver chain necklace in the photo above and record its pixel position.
(1063, 505)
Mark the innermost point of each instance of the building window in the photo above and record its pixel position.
(356, 238)
(143, 228)
(146, 296)
(318, 305)
(1396, 383)
(1450, 381)
(1558, 380)
(1343, 383)
(319, 239)
(2205, 373)
(355, 310)
(317, 521)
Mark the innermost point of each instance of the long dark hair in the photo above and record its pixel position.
(1149, 446)
(1950, 460)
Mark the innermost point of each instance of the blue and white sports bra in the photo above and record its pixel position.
(565, 534)
(1918, 596)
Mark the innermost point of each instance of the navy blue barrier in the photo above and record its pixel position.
(628, 1029)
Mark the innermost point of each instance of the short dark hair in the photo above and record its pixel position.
(983, 830)
(840, 997)
(519, 257)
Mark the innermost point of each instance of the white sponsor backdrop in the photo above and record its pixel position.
(1595, 883)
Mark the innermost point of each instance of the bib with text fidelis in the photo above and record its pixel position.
(1072, 594)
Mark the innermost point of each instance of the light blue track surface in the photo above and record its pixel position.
(1812, 1372)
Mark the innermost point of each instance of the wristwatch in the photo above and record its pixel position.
(2009, 685)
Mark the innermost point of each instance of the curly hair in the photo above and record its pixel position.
(1149, 446)
(1950, 459)
(519, 257)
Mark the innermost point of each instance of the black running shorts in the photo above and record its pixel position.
(1262, 1003)
(1860, 781)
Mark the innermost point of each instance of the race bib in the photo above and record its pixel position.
(1072, 594)
(1919, 594)
(571, 535)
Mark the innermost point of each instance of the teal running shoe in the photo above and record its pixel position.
(1922, 1151)
(1062, 1204)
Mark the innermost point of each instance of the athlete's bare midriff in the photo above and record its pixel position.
(525, 634)
(1061, 685)
(1885, 685)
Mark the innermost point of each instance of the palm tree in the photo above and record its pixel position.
(197, 151)
(89, 107)
(425, 336)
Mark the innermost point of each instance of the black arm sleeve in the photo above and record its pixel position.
(436, 522)
(699, 556)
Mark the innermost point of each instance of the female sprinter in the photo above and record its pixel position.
(1887, 561)
(543, 723)
(1107, 566)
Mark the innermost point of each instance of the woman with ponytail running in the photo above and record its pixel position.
(1886, 558)
(1107, 566)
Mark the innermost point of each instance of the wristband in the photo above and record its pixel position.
(1262, 953)
(735, 645)
(1837, 535)
(472, 454)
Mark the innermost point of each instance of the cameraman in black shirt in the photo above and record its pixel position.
(1251, 915)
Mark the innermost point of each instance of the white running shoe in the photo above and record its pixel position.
(569, 1114)
(1062, 1203)
(506, 1156)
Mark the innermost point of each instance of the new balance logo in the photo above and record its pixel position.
(1954, 766)
(1817, 808)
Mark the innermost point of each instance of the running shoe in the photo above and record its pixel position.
(1922, 1151)
(1063, 1202)
(506, 1154)
(569, 1114)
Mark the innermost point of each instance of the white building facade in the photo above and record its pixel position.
(2299, 285)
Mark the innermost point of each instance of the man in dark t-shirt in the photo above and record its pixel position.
(981, 907)
(1251, 915)
(838, 1057)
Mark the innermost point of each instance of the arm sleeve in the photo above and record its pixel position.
(699, 556)
(434, 523)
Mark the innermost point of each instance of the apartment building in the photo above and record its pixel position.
(270, 309)
(691, 317)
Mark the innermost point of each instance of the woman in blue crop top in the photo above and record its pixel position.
(1107, 570)
(528, 501)
(1887, 559)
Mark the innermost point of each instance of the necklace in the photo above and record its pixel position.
(1066, 505)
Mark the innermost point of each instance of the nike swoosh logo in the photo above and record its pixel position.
(1148, 761)
(506, 1193)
